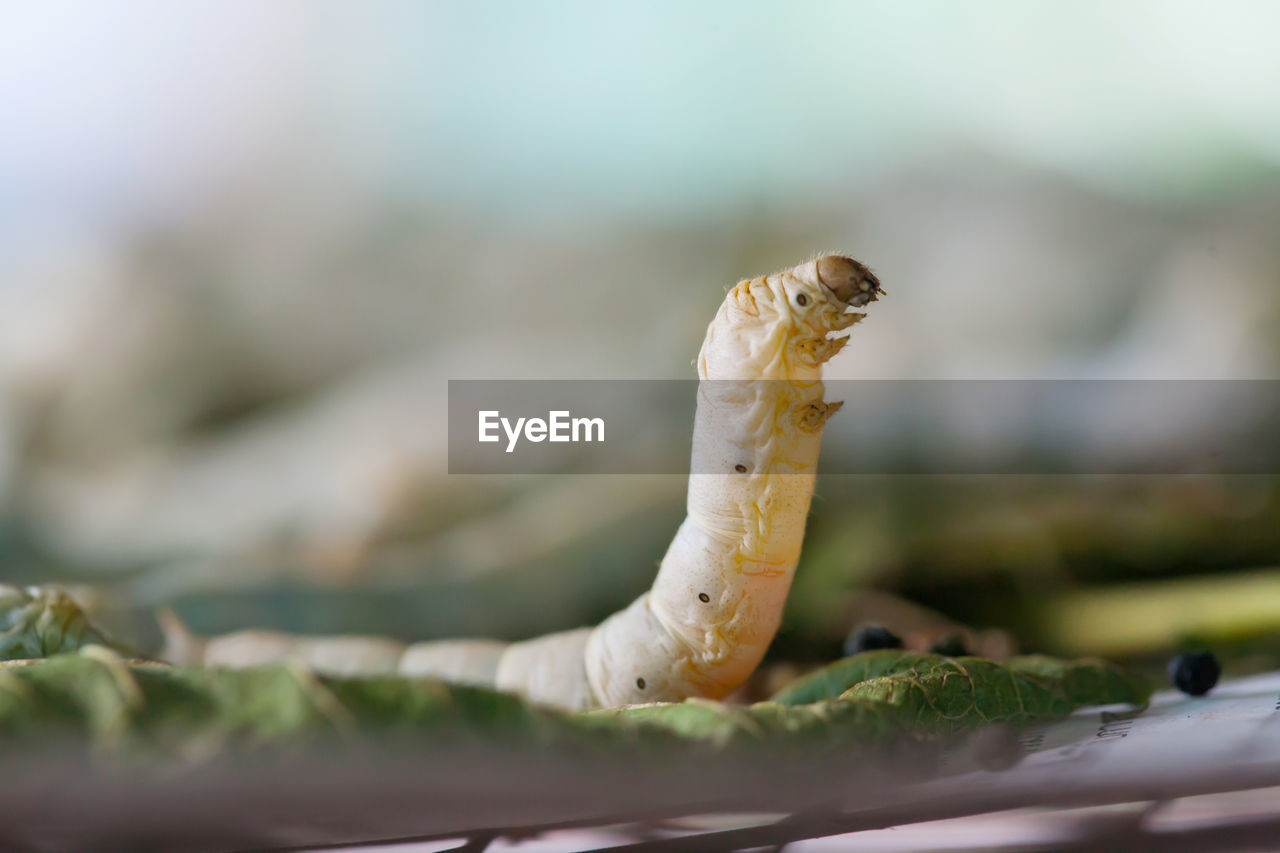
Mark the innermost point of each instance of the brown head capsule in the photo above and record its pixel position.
(849, 281)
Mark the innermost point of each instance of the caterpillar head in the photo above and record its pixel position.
(850, 283)
(777, 326)
(819, 294)
(819, 290)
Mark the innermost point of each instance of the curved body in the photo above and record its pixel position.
(718, 598)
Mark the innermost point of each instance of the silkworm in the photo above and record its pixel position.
(704, 625)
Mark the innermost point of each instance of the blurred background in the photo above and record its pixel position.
(244, 245)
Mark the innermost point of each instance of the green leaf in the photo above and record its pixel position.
(106, 700)
(936, 694)
(1084, 682)
(834, 679)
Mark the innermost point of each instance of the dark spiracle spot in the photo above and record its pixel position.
(640, 683)
(703, 597)
(741, 469)
(802, 300)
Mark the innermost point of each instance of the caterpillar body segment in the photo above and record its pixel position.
(718, 598)
(460, 661)
(550, 669)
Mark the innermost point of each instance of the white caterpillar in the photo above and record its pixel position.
(717, 601)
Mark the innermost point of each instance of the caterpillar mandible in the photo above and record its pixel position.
(716, 603)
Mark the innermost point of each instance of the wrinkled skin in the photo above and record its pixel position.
(718, 598)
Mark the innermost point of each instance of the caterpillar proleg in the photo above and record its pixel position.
(717, 601)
